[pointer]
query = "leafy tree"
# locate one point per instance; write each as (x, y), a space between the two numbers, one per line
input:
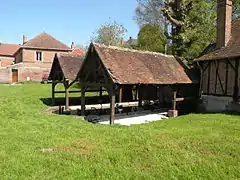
(236, 9)
(84, 47)
(193, 25)
(193, 22)
(152, 38)
(110, 33)
(149, 12)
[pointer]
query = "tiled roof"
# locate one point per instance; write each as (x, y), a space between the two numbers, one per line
(8, 49)
(127, 66)
(78, 51)
(68, 64)
(231, 50)
(45, 41)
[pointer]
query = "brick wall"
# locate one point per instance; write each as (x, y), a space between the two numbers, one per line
(5, 75)
(29, 55)
(6, 61)
(30, 69)
(224, 22)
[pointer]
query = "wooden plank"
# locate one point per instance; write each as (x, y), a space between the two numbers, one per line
(104, 106)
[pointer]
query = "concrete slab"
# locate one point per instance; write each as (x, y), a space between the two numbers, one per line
(128, 120)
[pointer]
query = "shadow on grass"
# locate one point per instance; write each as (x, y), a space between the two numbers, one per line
(74, 101)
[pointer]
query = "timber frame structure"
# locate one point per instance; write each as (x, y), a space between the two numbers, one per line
(220, 77)
(220, 72)
(64, 70)
(116, 69)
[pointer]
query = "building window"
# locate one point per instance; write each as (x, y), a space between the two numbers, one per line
(39, 56)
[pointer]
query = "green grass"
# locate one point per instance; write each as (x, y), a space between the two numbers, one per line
(188, 147)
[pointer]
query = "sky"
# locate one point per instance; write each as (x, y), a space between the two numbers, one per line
(66, 20)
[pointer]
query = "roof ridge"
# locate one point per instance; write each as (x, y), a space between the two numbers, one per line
(132, 50)
(69, 54)
(9, 44)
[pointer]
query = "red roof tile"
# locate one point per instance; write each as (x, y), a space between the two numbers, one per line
(8, 49)
(127, 66)
(78, 51)
(67, 64)
(45, 41)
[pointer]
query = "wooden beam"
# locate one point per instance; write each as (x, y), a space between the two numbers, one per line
(63, 92)
(226, 80)
(66, 85)
(53, 92)
(83, 101)
(209, 75)
(174, 99)
(216, 76)
(219, 79)
(120, 95)
(236, 84)
(112, 107)
(140, 102)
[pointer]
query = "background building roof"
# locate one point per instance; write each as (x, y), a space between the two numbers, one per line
(8, 49)
(45, 41)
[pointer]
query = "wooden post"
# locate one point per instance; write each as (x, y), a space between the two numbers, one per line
(66, 85)
(83, 101)
(120, 95)
(236, 84)
(53, 92)
(174, 99)
(100, 93)
(173, 112)
(112, 106)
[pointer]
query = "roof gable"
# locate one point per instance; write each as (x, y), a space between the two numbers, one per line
(127, 66)
(65, 66)
(45, 41)
(231, 50)
(8, 49)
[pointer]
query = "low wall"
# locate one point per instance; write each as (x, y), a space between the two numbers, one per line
(215, 103)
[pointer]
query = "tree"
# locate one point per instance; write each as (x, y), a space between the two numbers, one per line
(193, 25)
(83, 47)
(236, 9)
(110, 33)
(152, 38)
(149, 12)
(193, 22)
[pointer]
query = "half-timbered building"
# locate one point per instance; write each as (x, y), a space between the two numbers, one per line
(220, 64)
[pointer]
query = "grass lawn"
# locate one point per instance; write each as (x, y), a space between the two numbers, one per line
(188, 147)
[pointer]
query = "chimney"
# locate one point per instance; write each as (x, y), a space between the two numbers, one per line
(72, 45)
(24, 39)
(224, 22)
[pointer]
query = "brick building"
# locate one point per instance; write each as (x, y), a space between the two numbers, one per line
(30, 61)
